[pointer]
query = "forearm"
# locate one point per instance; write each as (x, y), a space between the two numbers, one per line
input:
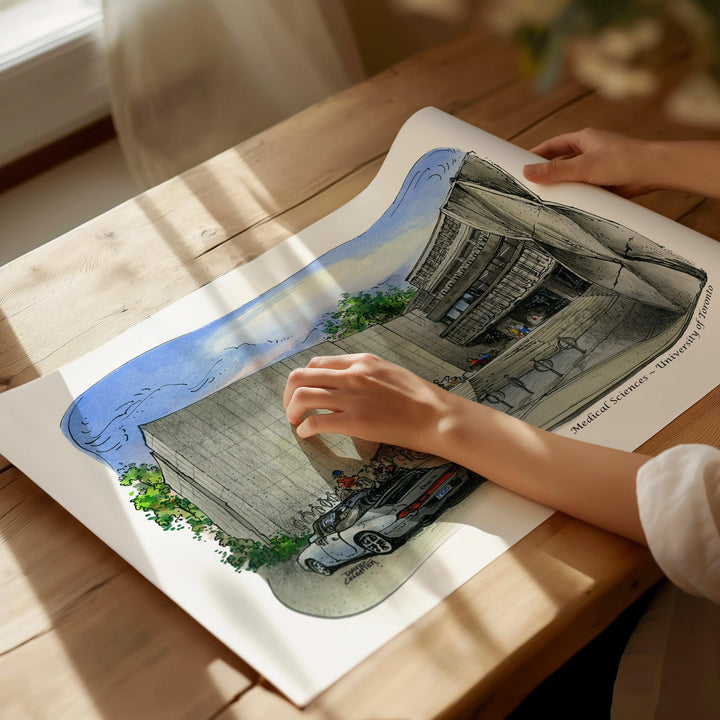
(692, 166)
(590, 482)
(372, 399)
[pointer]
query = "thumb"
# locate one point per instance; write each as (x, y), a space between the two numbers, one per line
(558, 170)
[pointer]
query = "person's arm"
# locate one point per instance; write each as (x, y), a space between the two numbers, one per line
(373, 399)
(626, 165)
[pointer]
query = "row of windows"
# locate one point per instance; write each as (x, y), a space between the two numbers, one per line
(493, 269)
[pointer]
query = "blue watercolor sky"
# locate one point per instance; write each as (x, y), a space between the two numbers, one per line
(104, 421)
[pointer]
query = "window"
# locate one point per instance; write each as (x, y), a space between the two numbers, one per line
(29, 27)
(460, 306)
(467, 249)
(52, 72)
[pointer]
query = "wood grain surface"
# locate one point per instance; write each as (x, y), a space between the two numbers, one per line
(82, 635)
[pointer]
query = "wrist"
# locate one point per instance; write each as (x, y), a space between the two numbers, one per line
(689, 166)
(489, 442)
(458, 432)
(652, 164)
(438, 424)
(662, 161)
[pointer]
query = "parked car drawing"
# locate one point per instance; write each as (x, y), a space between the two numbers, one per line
(381, 519)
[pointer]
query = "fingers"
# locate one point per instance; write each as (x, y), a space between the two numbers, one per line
(567, 144)
(567, 157)
(321, 423)
(335, 383)
(574, 169)
(310, 377)
(335, 362)
(311, 398)
(325, 371)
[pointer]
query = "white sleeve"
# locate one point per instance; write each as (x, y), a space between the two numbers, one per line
(679, 502)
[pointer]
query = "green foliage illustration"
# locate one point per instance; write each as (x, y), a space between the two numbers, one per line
(156, 499)
(359, 312)
(152, 495)
(247, 554)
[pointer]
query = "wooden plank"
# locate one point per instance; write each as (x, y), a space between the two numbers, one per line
(560, 585)
(698, 424)
(156, 248)
(105, 642)
(33, 568)
(704, 218)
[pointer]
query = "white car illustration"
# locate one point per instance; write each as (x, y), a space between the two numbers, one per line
(379, 520)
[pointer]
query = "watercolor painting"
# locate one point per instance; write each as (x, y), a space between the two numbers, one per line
(468, 279)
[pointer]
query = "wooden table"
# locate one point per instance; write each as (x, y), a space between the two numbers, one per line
(84, 635)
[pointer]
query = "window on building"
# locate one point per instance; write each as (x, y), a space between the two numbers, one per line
(459, 307)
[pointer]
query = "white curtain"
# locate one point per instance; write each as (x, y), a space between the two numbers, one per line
(190, 78)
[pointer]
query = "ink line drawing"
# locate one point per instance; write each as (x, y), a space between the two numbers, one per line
(534, 308)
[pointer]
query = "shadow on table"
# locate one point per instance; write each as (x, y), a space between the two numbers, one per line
(575, 580)
(15, 364)
(83, 633)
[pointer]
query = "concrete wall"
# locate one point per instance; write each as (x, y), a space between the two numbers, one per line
(235, 456)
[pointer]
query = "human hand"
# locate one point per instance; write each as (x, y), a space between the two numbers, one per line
(373, 399)
(369, 398)
(620, 163)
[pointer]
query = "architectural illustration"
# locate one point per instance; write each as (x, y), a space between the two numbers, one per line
(533, 308)
(566, 304)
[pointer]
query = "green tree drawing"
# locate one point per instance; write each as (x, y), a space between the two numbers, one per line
(153, 496)
(247, 554)
(361, 311)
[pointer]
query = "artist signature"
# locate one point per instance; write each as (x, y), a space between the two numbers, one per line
(357, 570)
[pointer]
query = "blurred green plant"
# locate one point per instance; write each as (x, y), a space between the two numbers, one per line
(617, 46)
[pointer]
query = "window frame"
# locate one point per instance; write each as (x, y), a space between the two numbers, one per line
(53, 86)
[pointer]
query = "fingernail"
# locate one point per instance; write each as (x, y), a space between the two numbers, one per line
(533, 171)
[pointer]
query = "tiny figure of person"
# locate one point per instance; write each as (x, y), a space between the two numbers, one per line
(479, 361)
(344, 482)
